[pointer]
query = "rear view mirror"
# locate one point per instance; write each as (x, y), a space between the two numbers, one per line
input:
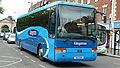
(103, 15)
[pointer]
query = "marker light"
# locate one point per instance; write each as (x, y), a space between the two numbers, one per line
(94, 49)
(60, 50)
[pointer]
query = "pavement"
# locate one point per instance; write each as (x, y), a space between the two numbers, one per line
(110, 55)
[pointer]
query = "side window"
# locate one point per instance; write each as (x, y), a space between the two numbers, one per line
(18, 25)
(52, 21)
(22, 24)
(45, 18)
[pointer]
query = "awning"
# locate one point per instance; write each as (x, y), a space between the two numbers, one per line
(5, 29)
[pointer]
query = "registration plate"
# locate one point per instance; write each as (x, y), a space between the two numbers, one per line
(79, 57)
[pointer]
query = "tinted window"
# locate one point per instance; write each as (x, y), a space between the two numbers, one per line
(37, 19)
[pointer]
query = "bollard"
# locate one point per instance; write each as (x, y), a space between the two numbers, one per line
(115, 43)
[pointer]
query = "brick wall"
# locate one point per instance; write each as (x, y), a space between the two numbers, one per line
(100, 4)
(118, 10)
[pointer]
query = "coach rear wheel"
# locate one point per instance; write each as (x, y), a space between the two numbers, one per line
(21, 46)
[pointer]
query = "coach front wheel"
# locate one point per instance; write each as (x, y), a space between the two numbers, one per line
(40, 53)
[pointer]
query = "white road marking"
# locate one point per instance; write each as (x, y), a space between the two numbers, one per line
(21, 59)
(117, 64)
(4, 41)
(12, 62)
(26, 56)
(6, 61)
(33, 60)
(116, 58)
(17, 50)
(41, 66)
(21, 53)
(13, 48)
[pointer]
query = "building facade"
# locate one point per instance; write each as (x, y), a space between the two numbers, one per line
(110, 7)
(7, 25)
(35, 6)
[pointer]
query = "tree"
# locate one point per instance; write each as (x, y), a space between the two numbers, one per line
(10, 17)
(1, 9)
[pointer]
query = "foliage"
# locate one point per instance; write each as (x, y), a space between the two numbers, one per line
(1, 9)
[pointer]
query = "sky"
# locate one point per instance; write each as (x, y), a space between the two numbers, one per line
(15, 8)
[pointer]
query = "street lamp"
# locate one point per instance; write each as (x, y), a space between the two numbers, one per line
(112, 20)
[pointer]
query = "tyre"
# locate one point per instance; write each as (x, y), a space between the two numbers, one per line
(8, 42)
(40, 53)
(20, 46)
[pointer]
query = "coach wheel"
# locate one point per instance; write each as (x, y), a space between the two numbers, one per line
(21, 46)
(40, 53)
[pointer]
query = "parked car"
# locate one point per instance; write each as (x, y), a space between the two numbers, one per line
(11, 38)
(1, 34)
(5, 36)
